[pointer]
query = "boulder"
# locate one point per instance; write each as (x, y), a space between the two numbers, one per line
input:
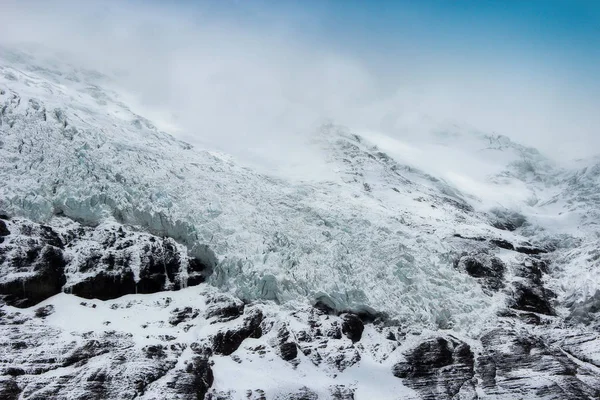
(227, 341)
(353, 327)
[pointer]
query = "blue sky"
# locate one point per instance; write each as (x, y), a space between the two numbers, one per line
(557, 36)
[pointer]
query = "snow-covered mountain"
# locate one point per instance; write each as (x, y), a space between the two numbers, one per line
(452, 264)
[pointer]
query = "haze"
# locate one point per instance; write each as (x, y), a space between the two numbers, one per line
(256, 79)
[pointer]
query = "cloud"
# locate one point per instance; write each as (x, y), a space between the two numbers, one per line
(257, 87)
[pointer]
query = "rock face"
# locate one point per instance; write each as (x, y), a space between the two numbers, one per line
(527, 364)
(31, 269)
(489, 269)
(511, 363)
(288, 348)
(440, 368)
(194, 382)
(227, 341)
(105, 262)
(529, 293)
(3, 229)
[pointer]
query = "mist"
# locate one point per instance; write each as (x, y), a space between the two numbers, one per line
(258, 87)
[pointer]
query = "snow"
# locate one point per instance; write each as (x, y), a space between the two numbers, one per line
(367, 221)
(143, 318)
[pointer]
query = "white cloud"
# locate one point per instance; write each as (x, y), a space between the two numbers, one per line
(257, 90)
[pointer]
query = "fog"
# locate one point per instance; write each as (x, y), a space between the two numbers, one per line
(258, 87)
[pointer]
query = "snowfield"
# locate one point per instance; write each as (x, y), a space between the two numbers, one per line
(469, 263)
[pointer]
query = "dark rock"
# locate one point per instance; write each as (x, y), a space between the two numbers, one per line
(160, 368)
(437, 368)
(529, 294)
(181, 315)
(334, 332)
(9, 390)
(224, 308)
(325, 305)
(352, 327)
(288, 350)
(36, 258)
(3, 229)
(476, 238)
(43, 312)
(90, 349)
(507, 220)
(160, 266)
(458, 203)
(95, 386)
(479, 270)
(368, 315)
(533, 270)
(195, 381)
(531, 298)
(152, 276)
(486, 369)
(46, 278)
(530, 318)
(490, 269)
(475, 268)
(227, 341)
(503, 244)
(530, 250)
(198, 271)
(105, 286)
(14, 371)
(155, 352)
(526, 317)
(343, 357)
(171, 261)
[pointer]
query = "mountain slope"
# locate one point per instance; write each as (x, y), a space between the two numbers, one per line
(405, 273)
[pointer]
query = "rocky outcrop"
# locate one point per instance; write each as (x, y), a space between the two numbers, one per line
(508, 220)
(227, 341)
(44, 357)
(352, 327)
(488, 269)
(529, 293)
(224, 308)
(103, 262)
(3, 229)
(519, 362)
(288, 350)
(194, 381)
(31, 274)
(440, 368)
